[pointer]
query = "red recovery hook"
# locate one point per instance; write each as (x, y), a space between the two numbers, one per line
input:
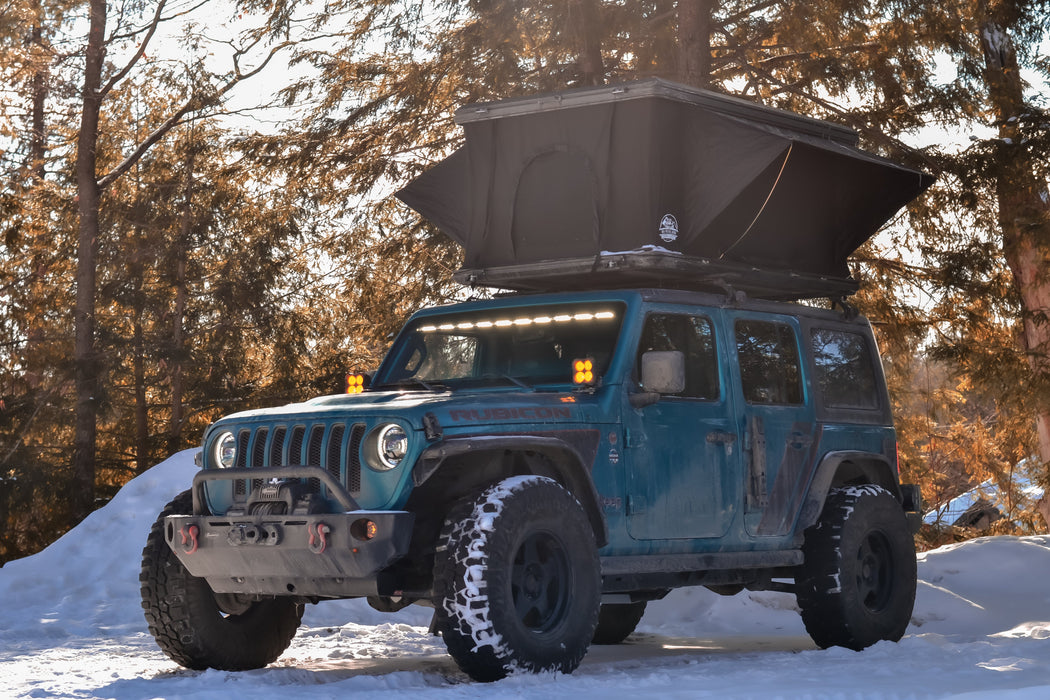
(318, 539)
(189, 537)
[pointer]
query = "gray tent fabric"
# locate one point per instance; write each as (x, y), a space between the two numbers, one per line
(656, 166)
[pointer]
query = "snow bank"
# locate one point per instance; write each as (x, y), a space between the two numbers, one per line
(86, 583)
(992, 586)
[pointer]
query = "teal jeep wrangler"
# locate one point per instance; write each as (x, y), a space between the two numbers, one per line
(538, 466)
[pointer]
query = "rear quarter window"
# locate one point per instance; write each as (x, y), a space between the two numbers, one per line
(845, 374)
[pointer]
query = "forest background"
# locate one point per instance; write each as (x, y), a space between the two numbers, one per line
(195, 214)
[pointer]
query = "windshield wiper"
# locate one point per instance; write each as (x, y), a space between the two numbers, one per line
(512, 380)
(411, 382)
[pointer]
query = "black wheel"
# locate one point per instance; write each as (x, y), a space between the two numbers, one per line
(199, 629)
(517, 581)
(857, 585)
(616, 622)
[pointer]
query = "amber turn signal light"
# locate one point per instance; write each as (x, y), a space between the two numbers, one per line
(355, 383)
(583, 371)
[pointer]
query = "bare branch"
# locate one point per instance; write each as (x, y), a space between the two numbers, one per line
(139, 53)
(193, 104)
(134, 32)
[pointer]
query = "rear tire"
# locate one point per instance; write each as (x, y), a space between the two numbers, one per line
(517, 580)
(186, 619)
(616, 622)
(857, 585)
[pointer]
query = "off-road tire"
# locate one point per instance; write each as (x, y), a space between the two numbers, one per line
(616, 622)
(517, 580)
(185, 618)
(857, 585)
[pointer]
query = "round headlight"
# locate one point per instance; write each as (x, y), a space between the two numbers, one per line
(392, 446)
(224, 450)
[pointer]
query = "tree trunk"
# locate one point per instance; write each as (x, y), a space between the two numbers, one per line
(1024, 213)
(139, 349)
(85, 358)
(585, 28)
(39, 89)
(694, 42)
(181, 294)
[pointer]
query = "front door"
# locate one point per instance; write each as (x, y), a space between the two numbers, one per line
(682, 449)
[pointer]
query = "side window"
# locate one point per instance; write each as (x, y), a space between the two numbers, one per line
(769, 366)
(695, 337)
(844, 369)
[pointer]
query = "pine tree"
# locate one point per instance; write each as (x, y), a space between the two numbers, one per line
(206, 93)
(41, 368)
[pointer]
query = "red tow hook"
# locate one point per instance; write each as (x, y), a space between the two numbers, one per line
(189, 537)
(318, 539)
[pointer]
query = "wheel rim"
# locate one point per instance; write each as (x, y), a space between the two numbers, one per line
(875, 571)
(540, 582)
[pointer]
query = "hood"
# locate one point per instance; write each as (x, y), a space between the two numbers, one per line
(451, 409)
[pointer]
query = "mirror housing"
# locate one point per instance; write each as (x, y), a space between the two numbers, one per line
(663, 372)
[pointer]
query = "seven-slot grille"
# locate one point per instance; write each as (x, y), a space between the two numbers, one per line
(335, 447)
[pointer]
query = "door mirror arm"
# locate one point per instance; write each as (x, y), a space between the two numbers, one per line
(641, 399)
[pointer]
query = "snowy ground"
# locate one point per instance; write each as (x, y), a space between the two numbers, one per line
(71, 627)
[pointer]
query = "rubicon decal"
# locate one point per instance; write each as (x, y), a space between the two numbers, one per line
(474, 415)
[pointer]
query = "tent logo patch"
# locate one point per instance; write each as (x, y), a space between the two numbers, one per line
(668, 228)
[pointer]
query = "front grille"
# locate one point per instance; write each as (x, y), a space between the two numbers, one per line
(240, 488)
(353, 467)
(335, 451)
(315, 444)
(276, 446)
(313, 453)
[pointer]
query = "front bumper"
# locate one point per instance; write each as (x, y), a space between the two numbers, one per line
(319, 555)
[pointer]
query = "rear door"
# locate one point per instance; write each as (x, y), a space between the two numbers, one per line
(774, 413)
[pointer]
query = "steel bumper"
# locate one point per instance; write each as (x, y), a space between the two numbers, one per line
(324, 555)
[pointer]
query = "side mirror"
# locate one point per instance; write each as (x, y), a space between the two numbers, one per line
(663, 372)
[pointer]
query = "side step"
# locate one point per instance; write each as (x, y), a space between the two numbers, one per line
(718, 561)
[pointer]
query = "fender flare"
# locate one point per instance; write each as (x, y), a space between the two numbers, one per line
(568, 461)
(871, 467)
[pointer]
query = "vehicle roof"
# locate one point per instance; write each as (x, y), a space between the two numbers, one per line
(648, 296)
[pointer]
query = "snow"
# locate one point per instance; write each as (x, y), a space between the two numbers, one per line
(643, 249)
(71, 627)
(947, 513)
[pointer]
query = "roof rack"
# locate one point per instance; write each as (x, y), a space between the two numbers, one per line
(659, 269)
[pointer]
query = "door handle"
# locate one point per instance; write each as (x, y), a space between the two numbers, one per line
(800, 440)
(721, 436)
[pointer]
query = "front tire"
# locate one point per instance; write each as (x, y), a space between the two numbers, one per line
(858, 581)
(197, 628)
(517, 580)
(616, 622)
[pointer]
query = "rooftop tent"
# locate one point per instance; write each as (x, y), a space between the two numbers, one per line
(653, 183)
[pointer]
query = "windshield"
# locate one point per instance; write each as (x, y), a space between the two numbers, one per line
(524, 346)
